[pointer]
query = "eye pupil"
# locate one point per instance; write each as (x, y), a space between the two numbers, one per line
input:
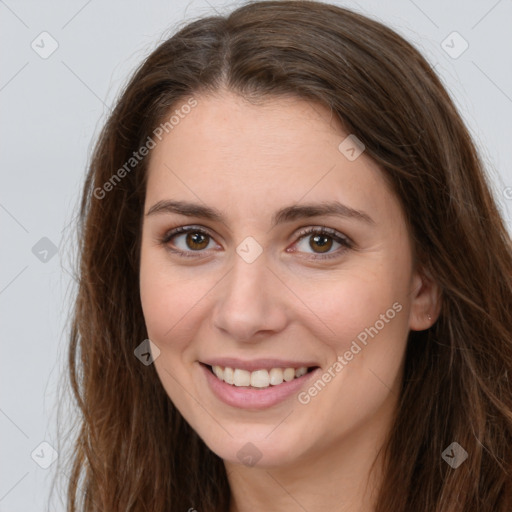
(325, 242)
(195, 239)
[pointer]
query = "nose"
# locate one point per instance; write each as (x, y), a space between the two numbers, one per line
(250, 301)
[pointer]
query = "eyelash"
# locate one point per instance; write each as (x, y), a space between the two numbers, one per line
(343, 240)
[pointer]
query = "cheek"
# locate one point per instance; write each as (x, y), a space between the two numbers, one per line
(349, 304)
(364, 326)
(166, 299)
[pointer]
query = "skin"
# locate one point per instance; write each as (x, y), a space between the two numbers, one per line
(249, 160)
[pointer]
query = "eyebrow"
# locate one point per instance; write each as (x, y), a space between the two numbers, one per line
(287, 214)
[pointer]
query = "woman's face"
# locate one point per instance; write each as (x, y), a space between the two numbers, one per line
(250, 288)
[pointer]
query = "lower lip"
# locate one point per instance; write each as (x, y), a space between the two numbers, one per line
(252, 398)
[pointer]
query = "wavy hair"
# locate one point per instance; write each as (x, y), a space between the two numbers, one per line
(134, 451)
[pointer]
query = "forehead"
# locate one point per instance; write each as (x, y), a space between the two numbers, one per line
(231, 153)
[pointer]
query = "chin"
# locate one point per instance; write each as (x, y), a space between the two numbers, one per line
(253, 446)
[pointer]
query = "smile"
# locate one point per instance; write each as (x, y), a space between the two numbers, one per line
(262, 378)
(258, 383)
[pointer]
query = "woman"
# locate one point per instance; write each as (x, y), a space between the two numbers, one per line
(286, 202)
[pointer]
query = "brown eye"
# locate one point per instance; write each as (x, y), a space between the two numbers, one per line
(322, 242)
(196, 240)
(186, 240)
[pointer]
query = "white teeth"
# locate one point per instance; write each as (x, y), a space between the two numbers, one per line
(218, 371)
(241, 377)
(258, 378)
(299, 372)
(228, 375)
(276, 376)
(289, 374)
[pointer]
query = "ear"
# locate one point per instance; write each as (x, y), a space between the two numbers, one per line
(425, 301)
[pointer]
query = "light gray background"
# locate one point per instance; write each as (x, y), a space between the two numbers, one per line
(51, 111)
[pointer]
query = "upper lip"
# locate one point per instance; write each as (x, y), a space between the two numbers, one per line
(257, 364)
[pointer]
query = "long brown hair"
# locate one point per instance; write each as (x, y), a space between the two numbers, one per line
(134, 451)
